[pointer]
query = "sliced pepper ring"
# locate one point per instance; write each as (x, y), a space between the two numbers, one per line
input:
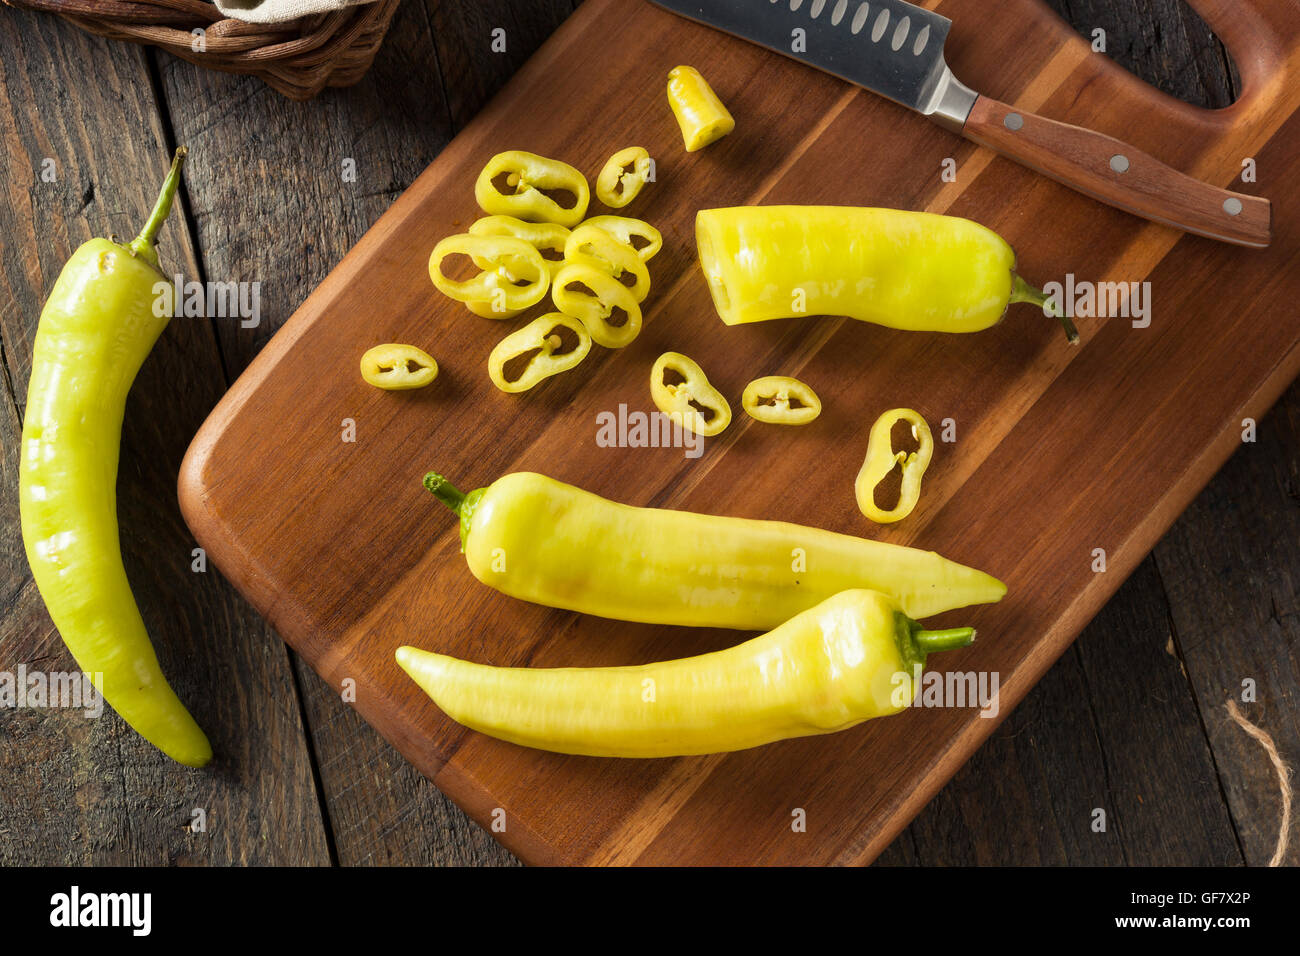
(629, 230)
(593, 246)
(532, 177)
(881, 460)
(546, 351)
(780, 400)
(596, 305)
(513, 277)
(397, 367)
(543, 236)
(617, 185)
(681, 390)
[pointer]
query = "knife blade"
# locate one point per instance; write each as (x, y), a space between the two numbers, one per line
(896, 49)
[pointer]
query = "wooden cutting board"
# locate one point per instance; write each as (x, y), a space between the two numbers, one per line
(1059, 451)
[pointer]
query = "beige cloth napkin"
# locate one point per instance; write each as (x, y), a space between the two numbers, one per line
(274, 11)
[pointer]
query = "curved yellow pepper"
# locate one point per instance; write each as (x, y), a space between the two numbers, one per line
(545, 349)
(548, 238)
(593, 246)
(540, 540)
(622, 177)
(396, 367)
(637, 233)
(595, 298)
(905, 270)
(780, 400)
(494, 293)
(881, 459)
(102, 318)
(531, 179)
(681, 390)
(853, 657)
(700, 114)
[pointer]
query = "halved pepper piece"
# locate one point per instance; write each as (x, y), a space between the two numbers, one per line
(700, 114)
(901, 269)
(681, 390)
(637, 233)
(396, 367)
(514, 275)
(621, 179)
(600, 302)
(592, 246)
(881, 460)
(548, 345)
(548, 238)
(527, 186)
(780, 400)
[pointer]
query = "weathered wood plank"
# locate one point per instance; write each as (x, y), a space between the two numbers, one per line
(91, 791)
(1232, 569)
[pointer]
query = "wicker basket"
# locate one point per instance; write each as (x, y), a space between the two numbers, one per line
(299, 58)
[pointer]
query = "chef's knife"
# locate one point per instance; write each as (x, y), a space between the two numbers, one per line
(895, 48)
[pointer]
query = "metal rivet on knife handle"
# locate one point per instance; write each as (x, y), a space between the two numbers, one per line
(1119, 163)
(1013, 121)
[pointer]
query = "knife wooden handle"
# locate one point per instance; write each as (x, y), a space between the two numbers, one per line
(1119, 175)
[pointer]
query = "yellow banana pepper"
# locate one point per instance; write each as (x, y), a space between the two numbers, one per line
(103, 316)
(595, 298)
(780, 400)
(637, 233)
(593, 246)
(621, 179)
(514, 275)
(527, 186)
(397, 367)
(700, 114)
(540, 540)
(548, 238)
(681, 390)
(905, 270)
(881, 459)
(546, 346)
(853, 657)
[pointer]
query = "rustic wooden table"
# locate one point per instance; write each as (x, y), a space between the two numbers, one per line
(1131, 720)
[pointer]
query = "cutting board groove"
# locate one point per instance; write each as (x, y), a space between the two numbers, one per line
(1059, 450)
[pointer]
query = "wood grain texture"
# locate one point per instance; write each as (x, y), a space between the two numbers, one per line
(1018, 800)
(81, 790)
(1006, 388)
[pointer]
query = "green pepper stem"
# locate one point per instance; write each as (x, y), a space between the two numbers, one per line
(143, 244)
(1022, 291)
(930, 641)
(444, 491)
